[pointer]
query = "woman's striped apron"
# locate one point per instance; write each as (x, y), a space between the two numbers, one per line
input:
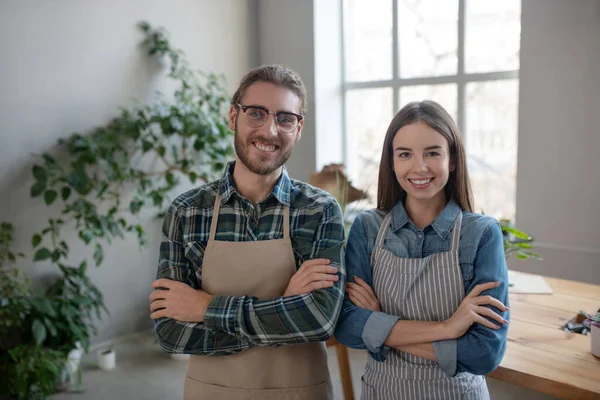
(426, 289)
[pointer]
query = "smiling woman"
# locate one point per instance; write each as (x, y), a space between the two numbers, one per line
(427, 277)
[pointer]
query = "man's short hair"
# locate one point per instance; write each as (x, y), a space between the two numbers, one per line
(277, 75)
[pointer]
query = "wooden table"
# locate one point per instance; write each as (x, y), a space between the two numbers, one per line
(544, 358)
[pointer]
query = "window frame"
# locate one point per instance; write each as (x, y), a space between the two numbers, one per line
(461, 78)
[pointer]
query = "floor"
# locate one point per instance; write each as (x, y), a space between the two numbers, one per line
(145, 372)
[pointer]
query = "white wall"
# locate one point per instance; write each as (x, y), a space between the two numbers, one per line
(66, 66)
(329, 133)
(558, 183)
(286, 36)
(306, 36)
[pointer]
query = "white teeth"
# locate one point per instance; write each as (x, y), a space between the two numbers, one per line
(420, 181)
(263, 147)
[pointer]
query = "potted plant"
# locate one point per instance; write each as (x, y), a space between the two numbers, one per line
(30, 364)
(44, 332)
(150, 148)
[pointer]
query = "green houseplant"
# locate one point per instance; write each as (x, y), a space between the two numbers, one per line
(517, 242)
(29, 369)
(101, 181)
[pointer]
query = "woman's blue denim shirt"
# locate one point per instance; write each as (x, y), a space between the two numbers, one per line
(480, 350)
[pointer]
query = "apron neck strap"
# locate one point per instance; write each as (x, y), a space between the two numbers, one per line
(383, 230)
(455, 244)
(215, 219)
(286, 222)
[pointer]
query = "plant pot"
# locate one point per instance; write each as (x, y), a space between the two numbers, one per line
(180, 357)
(69, 376)
(107, 359)
(595, 339)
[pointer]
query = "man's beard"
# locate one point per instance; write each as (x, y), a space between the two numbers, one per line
(257, 166)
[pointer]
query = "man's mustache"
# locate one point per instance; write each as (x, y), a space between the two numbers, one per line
(268, 142)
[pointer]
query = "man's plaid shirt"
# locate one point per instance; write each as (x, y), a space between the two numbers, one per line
(233, 324)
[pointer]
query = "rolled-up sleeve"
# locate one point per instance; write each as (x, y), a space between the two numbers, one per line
(446, 355)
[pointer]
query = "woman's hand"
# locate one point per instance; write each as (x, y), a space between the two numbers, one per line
(472, 310)
(362, 295)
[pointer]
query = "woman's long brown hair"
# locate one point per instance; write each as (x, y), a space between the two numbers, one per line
(389, 191)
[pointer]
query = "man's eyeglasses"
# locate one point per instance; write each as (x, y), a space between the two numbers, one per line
(256, 117)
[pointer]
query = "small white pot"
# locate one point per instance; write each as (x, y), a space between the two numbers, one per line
(107, 359)
(180, 357)
(595, 338)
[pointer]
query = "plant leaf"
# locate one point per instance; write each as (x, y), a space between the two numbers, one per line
(65, 193)
(198, 145)
(516, 232)
(170, 179)
(39, 331)
(532, 255)
(98, 254)
(135, 206)
(50, 196)
(50, 326)
(42, 254)
(39, 173)
(36, 240)
(146, 146)
(37, 189)
(523, 245)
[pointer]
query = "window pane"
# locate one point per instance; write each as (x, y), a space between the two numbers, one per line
(368, 114)
(491, 144)
(445, 94)
(368, 40)
(428, 37)
(492, 35)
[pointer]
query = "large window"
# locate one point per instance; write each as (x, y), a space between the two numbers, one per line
(463, 54)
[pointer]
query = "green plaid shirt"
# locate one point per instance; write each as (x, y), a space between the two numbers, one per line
(233, 324)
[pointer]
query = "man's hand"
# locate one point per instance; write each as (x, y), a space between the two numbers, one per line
(312, 275)
(178, 301)
(361, 295)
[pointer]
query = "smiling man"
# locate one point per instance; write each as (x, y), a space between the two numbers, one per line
(250, 277)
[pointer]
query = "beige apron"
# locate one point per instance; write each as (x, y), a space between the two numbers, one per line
(292, 372)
